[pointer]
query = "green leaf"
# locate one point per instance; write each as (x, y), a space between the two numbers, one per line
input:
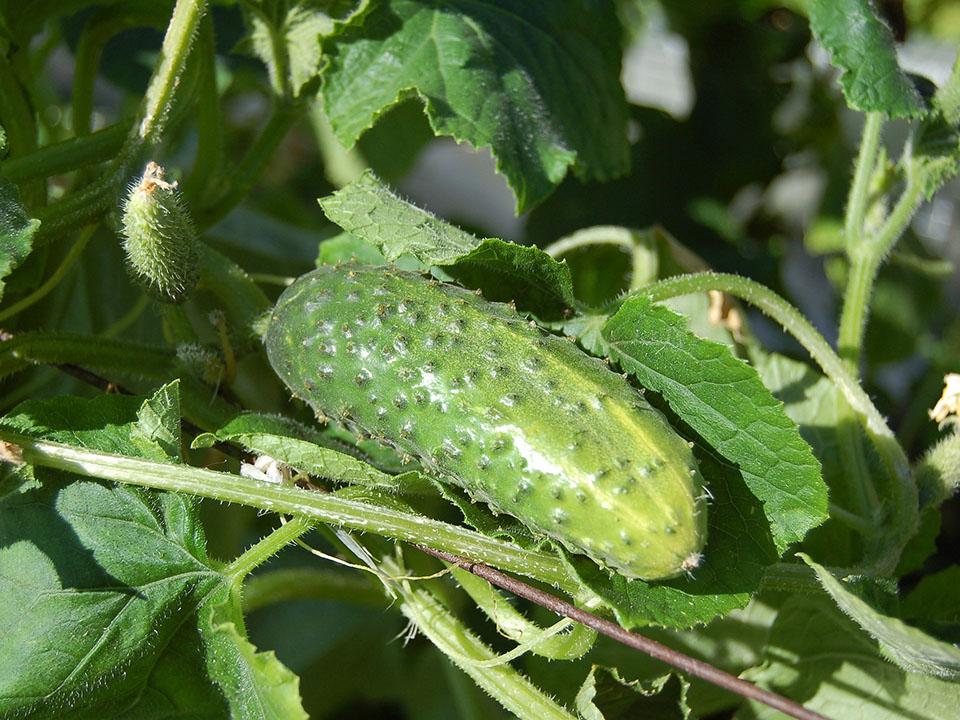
(158, 420)
(370, 211)
(839, 440)
(935, 603)
(494, 74)
(588, 330)
(723, 399)
(935, 145)
(301, 448)
(256, 684)
(947, 99)
(739, 547)
(861, 46)
(605, 695)
(375, 214)
(819, 657)
(524, 274)
(345, 247)
(16, 231)
(910, 648)
(106, 592)
(102, 422)
(286, 35)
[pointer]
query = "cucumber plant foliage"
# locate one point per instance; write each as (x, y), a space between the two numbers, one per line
(200, 366)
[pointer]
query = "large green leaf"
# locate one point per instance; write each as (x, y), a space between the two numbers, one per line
(910, 648)
(494, 74)
(819, 657)
(109, 602)
(861, 46)
(16, 231)
(504, 271)
(723, 399)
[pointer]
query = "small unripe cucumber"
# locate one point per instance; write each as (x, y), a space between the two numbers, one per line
(159, 237)
(522, 420)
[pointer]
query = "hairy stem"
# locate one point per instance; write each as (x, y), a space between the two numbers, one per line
(267, 547)
(330, 509)
(863, 171)
(209, 157)
(19, 125)
(511, 689)
(67, 155)
(173, 57)
(865, 260)
(303, 583)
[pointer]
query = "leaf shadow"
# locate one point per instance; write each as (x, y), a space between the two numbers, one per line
(36, 516)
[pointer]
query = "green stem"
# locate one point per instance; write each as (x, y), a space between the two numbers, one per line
(865, 261)
(341, 512)
(67, 155)
(341, 166)
(128, 318)
(596, 235)
(97, 32)
(852, 520)
(51, 282)
(511, 689)
(864, 265)
(310, 583)
(173, 57)
(20, 127)
(642, 246)
(512, 624)
(267, 547)
(792, 578)
(78, 208)
(242, 179)
(863, 172)
(268, 279)
(854, 459)
(209, 157)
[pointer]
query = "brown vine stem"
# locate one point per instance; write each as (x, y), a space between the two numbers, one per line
(654, 649)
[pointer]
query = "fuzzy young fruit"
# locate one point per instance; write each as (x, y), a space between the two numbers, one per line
(520, 419)
(159, 237)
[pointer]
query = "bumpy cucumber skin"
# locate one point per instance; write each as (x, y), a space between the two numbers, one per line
(520, 419)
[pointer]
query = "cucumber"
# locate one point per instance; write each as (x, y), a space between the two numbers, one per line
(521, 419)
